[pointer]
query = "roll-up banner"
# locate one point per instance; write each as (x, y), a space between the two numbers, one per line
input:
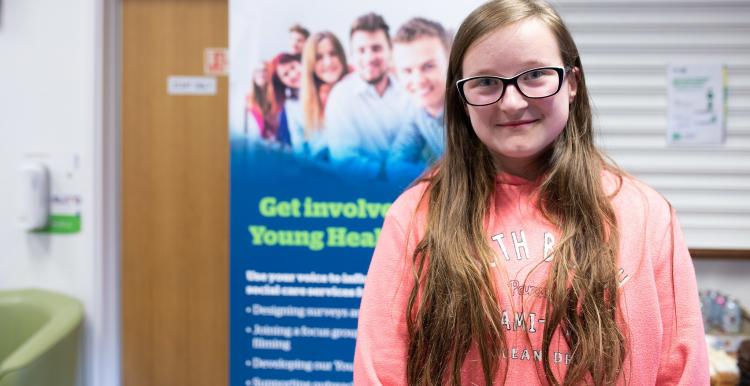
(335, 108)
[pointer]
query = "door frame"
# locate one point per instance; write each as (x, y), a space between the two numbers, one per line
(103, 366)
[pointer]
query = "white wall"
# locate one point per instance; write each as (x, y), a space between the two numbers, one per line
(51, 93)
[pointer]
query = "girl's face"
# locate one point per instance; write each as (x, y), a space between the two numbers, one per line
(517, 129)
(289, 73)
(328, 66)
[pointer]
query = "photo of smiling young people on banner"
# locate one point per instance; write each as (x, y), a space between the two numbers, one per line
(362, 100)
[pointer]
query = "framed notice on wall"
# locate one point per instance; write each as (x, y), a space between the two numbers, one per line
(697, 104)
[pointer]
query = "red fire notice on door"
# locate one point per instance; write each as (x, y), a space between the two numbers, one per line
(215, 61)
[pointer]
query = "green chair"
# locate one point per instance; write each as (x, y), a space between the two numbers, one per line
(39, 338)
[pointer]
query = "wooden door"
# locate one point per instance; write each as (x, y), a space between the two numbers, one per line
(174, 282)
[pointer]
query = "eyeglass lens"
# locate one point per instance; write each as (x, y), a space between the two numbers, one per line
(536, 83)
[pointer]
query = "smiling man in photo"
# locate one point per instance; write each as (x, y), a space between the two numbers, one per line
(367, 109)
(420, 55)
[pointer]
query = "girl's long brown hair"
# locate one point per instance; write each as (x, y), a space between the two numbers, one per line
(454, 304)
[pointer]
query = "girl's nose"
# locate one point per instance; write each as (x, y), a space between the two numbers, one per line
(512, 100)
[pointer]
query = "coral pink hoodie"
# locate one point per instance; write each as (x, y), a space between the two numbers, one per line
(659, 298)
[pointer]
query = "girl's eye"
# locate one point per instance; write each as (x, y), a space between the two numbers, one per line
(535, 74)
(487, 82)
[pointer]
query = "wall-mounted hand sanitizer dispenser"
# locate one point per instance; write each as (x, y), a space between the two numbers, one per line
(33, 196)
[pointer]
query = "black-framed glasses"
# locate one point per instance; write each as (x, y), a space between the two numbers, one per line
(536, 83)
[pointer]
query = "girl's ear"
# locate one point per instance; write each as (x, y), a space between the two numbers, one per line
(573, 84)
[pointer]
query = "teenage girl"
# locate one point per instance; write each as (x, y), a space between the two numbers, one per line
(524, 257)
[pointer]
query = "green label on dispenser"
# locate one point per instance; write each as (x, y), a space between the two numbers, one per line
(62, 223)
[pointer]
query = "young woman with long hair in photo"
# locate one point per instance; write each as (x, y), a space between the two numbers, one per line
(323, 65)
(283, 91)
(257, 106)
(524, 256)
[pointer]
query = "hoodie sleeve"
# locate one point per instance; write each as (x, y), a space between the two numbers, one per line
(382, 337)
(684, 359)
